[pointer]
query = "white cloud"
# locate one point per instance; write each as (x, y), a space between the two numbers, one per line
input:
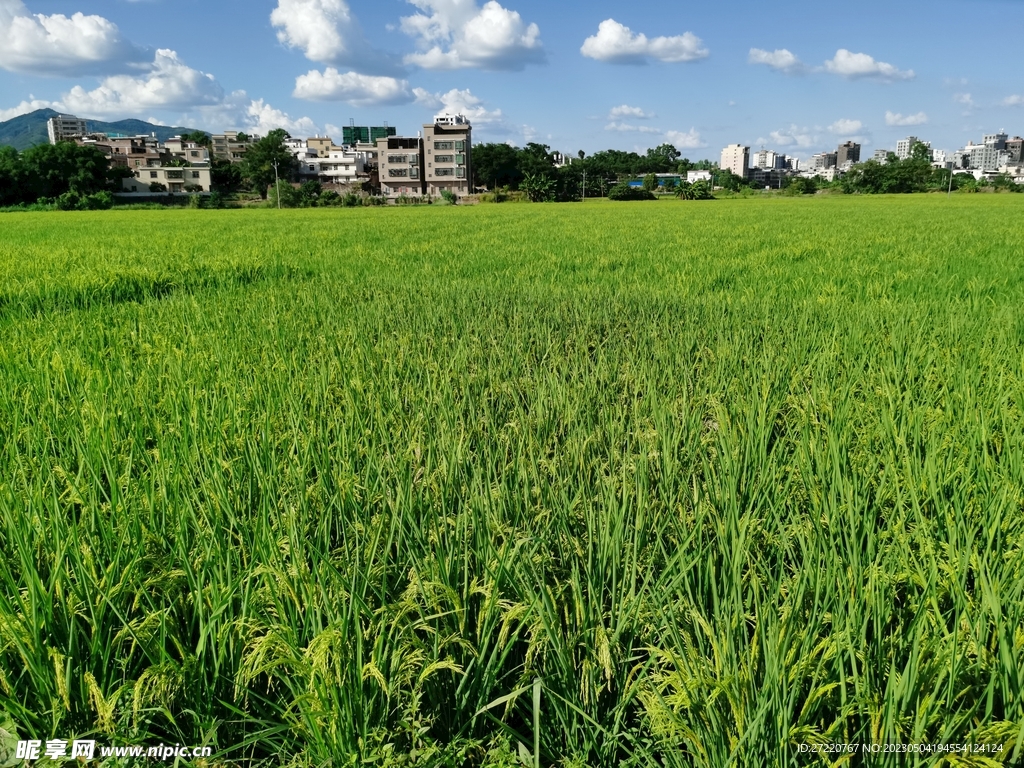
(618, 44)
(352, 87)
(461, 102)
(455, 34)
(262, 118)
(689, 140)
(860, 65)
(846, 127)
(28, 106)
(895, 118)
(328, 32)
(963, 98)
(59, 44)
(627, 128)
(169, 84)
(1013, 101)
(779, 59)
(794, 136)
(627, 111)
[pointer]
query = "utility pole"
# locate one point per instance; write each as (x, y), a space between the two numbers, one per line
(584, 198)
(277, 186)
(950, 190)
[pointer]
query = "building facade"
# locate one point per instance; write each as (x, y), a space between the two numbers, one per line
(848, 152)
(1015, 149)
(361, 134)
(448, 145)
(231, 145)
(161, 179)
(736, 158)
(400, 166)
(65, 128)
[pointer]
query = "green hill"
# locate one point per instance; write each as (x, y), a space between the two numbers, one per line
(28, 130)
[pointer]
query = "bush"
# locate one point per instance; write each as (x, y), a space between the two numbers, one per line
(622, 192)
(351, 200)
(156, 186)
(449, 197)
(69, 201)
(98, 201)
(330, 199)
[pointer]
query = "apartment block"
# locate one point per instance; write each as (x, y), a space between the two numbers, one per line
(823, 161)
(400, 166)
(188, 151)
(448, 143)
(767, 159)
(848, 152)
(65, 128)
(127, 151)
(1015, 149)
(736, 158)
(881, 156)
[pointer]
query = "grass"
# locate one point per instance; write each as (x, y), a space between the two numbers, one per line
(325, 487)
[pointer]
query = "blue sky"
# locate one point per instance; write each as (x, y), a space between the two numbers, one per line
(794, 76)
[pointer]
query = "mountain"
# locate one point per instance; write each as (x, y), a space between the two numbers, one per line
(28, 130)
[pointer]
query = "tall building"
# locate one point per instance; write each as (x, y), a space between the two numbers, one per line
(767, 159)
(848, 152)
(823, 160)
(65, 128)
(361, 134)
(881, 156)
(995, 140)
(1015, 149)
(736, 158)
(904, 147)
(448, 143)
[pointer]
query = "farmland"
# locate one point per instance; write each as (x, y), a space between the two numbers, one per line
(316, 487)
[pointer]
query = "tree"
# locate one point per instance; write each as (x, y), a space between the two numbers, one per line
(539, 189)
(258, 165)
(12, 177)
(625, 192)
(496, 165)
(202, 138)
(651, 182)
(226, 176)
(50, 170)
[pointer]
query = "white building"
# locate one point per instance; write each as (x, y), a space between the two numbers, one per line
(692, 176)
(64, 127)
(188, 151)
(341, 166)
(768, 159)
(161, 179)
(736, 158)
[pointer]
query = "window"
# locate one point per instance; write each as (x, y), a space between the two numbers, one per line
(460, 173)
(460, 145)
(398, 172)
(444, 145)
(152, 174)
(444, 171)
(193, 153)
(398, 158)
(414, 173)
(445, 158)
(460, 159)
(312, 167)
(195, 174)
(175, 175)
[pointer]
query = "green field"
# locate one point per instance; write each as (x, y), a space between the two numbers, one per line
(323, 487)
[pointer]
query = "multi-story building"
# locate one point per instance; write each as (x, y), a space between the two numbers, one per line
(905, 146)
(448, 145)
(231, 145)
(881, 156)
(1015, 149)
(340, 166)
(188, 151)
(848, 152)
(736, 158)
(168, 179)
(995, 140)
(321, 145)
(127, 151)
(400, 164)
(823, 160)
(767, 159)
(361, 134)
(65, 128)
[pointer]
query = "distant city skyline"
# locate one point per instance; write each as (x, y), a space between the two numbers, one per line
(794, 77)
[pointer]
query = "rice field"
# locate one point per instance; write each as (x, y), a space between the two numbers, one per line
(668, 483)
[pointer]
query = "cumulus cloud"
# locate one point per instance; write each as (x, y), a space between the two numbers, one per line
(61, 45)
(357, 89)
(169, 84)
(28, 106)
(455, 34)
(618, 44)
(328, 32)
(1013, 101)
(461, 102)
(895, 118)
(627, 111)
(846, 127)
(261, 118)
(794, 136)
(780, 59)
(860, 65)
(685, 140)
